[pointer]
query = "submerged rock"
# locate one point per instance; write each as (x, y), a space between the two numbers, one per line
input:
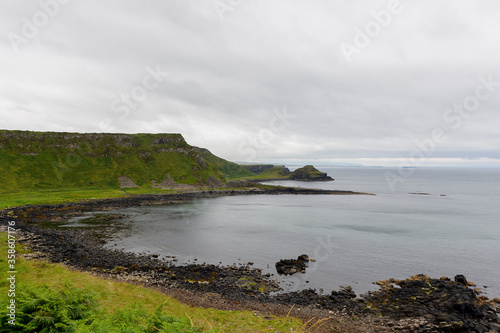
(292, 266)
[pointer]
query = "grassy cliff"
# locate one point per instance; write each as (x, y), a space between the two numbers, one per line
(47, 160)
(230, 170)
(274, 172)
(309, 172)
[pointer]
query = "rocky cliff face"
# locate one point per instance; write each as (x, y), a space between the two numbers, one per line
(49, 159)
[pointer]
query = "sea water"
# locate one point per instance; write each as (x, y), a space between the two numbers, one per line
(434, 221)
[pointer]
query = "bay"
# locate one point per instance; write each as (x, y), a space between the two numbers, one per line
(434, 221)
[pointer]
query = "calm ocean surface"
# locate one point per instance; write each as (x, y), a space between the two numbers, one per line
(356, 240)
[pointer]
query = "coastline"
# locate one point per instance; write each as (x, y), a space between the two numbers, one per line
(47, 210)
(244, 287)
(259, 180)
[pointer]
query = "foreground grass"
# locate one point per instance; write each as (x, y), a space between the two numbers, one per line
(113, 297)
(10, 199)
(62, 195)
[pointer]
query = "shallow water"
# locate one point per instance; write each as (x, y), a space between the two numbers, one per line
(452, 229)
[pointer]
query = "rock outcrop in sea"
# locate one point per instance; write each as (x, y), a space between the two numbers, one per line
(292, 266)
(309, 172)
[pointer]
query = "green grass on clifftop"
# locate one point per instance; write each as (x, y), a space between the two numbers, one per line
(49, 160)
(276, 172)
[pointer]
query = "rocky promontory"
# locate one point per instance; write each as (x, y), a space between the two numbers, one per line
(272, 173)
(309, 172)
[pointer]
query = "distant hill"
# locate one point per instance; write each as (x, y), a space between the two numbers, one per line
(309, 172)
(279, 172)
(267, 173)
(31, 160)
(257, 168)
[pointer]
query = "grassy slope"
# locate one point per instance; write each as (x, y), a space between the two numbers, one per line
(40, 160)
(118, 295)
(230, 170)
(307, 172)
(277, 172)
(44, 167)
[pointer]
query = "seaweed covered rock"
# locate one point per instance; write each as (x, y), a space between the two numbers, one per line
(438, 305)
(292, 266)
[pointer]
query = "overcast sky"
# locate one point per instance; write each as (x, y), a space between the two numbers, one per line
(371, 82)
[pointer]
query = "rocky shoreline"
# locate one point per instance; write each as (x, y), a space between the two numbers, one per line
(417, 304)
(47, 211)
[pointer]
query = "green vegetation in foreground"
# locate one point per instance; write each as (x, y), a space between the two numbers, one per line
(53, 297)
(40, 309)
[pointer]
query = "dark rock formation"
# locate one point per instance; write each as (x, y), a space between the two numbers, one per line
(461, 279)
(309, 173)
(436, 305)
(292, 266)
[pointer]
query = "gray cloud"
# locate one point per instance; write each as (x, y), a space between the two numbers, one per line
(226, 78)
